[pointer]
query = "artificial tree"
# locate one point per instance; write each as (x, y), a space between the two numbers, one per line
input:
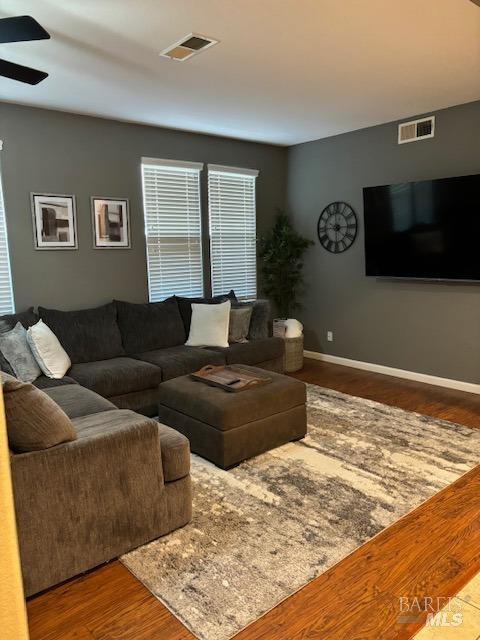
(281, 253)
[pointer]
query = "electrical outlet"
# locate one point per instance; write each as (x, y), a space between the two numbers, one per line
(330, 336)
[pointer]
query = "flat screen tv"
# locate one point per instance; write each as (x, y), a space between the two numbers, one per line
(428, 230)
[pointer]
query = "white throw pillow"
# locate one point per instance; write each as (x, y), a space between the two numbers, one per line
(209, 325)
(52, 358)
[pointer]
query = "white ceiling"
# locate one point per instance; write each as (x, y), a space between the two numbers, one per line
(285, 71)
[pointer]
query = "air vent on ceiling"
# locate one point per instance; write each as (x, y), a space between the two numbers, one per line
(416, 130)
(188, 47)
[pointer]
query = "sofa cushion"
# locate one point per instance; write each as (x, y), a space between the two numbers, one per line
(175, 449)
(154, 325)
(42, 382)
(34, 420)
(77, 401)
(116, 376)
(185, 305)
(259, 320)
(253, 352)
(178, 361)
(144, 402)
(86, 335)
(27, 318)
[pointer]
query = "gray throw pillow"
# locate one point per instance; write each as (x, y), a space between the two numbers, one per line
(16, 351)
(240, 323)
(4, 366)
(27, 318)
(34, 420)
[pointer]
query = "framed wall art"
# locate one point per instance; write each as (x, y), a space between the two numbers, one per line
(111, 223)
(54, 221)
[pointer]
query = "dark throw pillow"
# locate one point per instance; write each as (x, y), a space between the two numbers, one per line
(150, 326)
(185, 305)
(34, 420)
(259, 327)
(86, 335)
(27, 318)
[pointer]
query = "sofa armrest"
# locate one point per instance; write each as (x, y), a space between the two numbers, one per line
(118, 435)
(84, 502)
(259, 323)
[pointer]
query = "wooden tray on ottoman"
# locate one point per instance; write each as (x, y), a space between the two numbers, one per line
(231, 378)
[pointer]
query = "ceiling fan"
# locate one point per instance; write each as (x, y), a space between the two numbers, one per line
(21, 29)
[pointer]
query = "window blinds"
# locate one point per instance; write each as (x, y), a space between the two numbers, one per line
(171, 194)
(6, 291)
(231, 201)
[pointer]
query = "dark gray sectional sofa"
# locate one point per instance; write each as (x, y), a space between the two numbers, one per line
(123, 351)
(125, 479)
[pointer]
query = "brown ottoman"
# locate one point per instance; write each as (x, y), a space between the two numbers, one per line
(226, 427)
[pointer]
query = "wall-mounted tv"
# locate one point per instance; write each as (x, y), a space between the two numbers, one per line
(428, 230)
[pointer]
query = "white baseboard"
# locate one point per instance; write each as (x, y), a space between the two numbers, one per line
(470, 387)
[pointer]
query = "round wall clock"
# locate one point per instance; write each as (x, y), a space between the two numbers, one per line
(337, 227)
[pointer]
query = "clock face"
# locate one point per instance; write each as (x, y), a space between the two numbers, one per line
(337, 227)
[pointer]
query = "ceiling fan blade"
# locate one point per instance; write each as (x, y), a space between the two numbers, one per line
(20, 73)
(20, 29)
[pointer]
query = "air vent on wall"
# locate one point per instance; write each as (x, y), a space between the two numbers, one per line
(416, 130)
(188, 47)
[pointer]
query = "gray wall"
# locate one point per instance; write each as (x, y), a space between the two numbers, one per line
(431, 328)
(54, 152)
(427, 327)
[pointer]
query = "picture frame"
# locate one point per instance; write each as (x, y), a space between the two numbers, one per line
(54, 219)
(110, 223)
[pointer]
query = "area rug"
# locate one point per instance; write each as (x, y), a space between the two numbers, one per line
(267, 527)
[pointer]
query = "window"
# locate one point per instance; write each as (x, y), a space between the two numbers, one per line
(231, 201)
(171, 196)
(6, 292)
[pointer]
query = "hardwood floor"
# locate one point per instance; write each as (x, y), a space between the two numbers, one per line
(447, 404)
(433, 551)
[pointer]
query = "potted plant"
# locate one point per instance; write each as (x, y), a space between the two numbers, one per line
(281, 253)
